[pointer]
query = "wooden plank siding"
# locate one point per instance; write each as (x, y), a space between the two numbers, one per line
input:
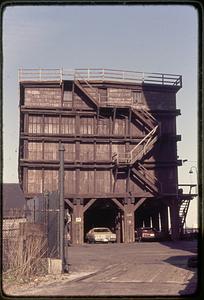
(62, 114)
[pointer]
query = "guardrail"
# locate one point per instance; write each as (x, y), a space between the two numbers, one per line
(99, 74)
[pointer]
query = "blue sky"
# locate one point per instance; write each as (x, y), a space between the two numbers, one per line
(141, 38)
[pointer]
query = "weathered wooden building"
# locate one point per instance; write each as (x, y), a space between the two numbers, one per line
(119, 133)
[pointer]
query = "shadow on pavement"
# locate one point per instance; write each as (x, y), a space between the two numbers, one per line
(191, 288)
(188, 262)
(190, 246)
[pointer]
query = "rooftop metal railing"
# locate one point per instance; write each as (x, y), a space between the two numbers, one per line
(99, 74)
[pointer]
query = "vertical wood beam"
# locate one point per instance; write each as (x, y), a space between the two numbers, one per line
(77, 125)
(174, 217)
(77, 180)
(129, 222)
(78, 222)
(164, 220)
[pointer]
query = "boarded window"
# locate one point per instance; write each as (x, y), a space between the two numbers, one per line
(102, 152)
(35, 181)
(86, 125)
(35, 124)
(50, 180)
(103, 181)
(119, 127)
(119, 96)
(51, 125)
(34, 151)
(69, 182)
(103, 126)
(68, 125)
(86, 181)
(51, 151)
(43, 97)
(86, 152)
(69, 154)
(67, 101)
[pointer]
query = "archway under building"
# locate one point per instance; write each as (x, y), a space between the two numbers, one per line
(103, 213)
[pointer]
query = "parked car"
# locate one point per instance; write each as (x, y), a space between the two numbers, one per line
(100, 234)
(146, 234)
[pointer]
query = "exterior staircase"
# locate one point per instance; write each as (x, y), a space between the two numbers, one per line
(133, 157)
(183, 210)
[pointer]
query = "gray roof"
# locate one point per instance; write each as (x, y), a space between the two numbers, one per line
(12, 197)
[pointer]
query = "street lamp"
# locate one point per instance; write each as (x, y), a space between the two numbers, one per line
(191, 170)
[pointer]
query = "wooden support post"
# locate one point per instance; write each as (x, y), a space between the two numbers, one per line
(78, 222)
(174, 216)
(129, 221)
(118, 227)
(164, 220)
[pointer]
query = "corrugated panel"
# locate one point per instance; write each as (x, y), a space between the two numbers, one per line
(86, 181)
(34, 181)
(86, 152)
(103, 126)
(69, 182)
(50, 180)
(51, 125)
(68, 125)
(34, 151)
(70, 152)
(86, 125)
(102, 152)
(35, 124)
(119, 128)
(102, 181)
(51, 151)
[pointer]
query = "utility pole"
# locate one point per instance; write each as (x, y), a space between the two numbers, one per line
(61, 205)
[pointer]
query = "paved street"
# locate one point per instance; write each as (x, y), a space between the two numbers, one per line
(125, 269)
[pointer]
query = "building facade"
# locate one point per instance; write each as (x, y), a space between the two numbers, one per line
(118, 129)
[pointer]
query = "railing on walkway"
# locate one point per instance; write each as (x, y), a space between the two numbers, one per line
(60, 74)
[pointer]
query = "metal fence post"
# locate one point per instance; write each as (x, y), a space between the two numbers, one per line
(61, 206)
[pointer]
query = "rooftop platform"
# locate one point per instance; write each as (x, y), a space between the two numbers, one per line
(99, 75)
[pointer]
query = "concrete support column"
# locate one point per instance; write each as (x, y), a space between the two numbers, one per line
(174, 216)
(155, 221)
(129, 221)
(164, 220)
(78, 222)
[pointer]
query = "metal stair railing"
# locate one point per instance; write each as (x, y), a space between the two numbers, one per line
(153, 183)
(136, 153)
(78, 78)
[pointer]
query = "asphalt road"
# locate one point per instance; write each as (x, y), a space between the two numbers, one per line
(125, 269)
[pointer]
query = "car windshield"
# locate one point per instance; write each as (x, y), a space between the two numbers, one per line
(101, 230)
